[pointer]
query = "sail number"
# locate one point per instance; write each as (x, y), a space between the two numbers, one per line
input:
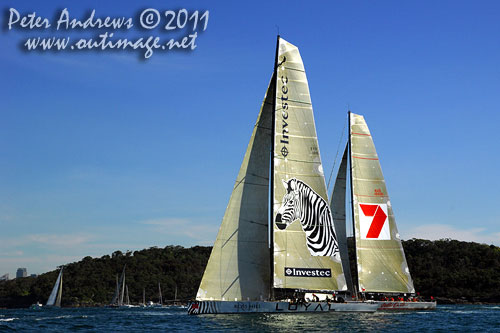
(150, 18)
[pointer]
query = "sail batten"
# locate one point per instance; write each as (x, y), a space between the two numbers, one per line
(381, 263)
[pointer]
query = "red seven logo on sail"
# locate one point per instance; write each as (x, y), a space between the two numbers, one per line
(372, 221)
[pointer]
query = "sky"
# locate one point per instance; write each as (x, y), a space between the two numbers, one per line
(106, 150)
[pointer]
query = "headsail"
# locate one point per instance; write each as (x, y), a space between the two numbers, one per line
(238, 267)
(55, 295)
(338, 205)
(381, 261)
(306, 254)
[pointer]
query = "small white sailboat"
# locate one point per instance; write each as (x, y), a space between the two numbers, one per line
(143, 304)
(160, 295)
(56, 294)
(382, 270)
(277, 249)
(151, 304)
(127, 303)
(117, 299)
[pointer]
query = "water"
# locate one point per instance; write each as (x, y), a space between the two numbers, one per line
(468, 318)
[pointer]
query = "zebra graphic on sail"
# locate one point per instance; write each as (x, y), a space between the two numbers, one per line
(302, 202)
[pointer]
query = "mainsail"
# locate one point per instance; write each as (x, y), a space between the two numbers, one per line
(306, 253)
(238, 267)
(56, 294)
(381, 262)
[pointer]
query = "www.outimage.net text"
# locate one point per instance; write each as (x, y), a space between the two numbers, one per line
(151, 26)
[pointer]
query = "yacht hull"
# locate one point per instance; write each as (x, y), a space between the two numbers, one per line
(216, 307)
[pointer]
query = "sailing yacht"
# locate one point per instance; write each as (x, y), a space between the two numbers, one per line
(277, 248)
(151, 304)
(118, 296)
(56, 294)
(382, 272)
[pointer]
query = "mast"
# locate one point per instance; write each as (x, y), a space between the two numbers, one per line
(143, 296)
(175, 295)
(349, 145)
(271, 181)
(159, 289)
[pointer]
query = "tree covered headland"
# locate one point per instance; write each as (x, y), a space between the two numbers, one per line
(92, 281)
(447, 269)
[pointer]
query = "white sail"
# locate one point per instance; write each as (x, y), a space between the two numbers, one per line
(306, 253)
(59, 293)
(381, 261)
(122, 284)
(338, 206)
(238, 267)
(55, 295)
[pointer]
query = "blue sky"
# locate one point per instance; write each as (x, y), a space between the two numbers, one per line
(103, 151)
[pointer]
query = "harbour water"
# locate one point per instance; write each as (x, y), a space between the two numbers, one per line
(457, 318)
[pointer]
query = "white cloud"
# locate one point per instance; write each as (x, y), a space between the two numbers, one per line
(166, 222)
(201, 233)
(64, 240)
(11, 253)
(48, 240)
(440, 231)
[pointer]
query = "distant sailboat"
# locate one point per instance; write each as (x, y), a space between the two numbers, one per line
(280, 193)
(127, 303)
(160, 295)
(127, 298)
(381, 267)
(56, 294)
(143, 297)
(117, 299)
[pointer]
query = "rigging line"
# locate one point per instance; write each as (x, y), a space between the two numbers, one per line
(336, 155)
